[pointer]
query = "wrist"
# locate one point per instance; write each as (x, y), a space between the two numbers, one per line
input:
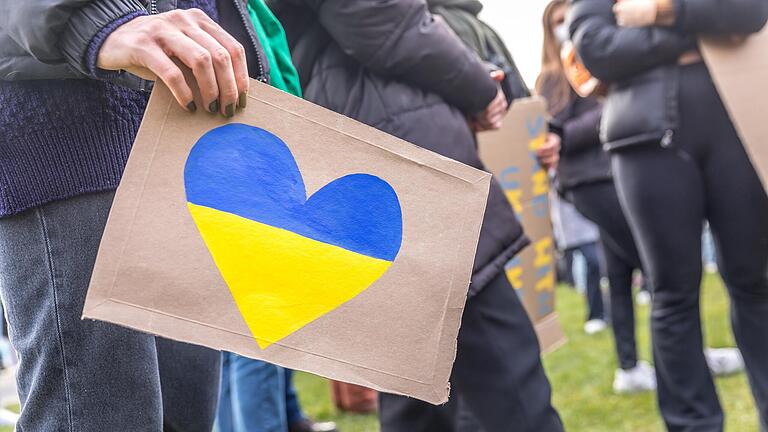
(92, 53)
(665, 13)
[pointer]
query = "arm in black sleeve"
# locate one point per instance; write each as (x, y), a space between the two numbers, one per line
(721, 16)
(582, 131)
(56, 31)
(402, 39)
(612, 53)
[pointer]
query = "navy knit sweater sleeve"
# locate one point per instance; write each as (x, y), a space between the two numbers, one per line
(62, 138)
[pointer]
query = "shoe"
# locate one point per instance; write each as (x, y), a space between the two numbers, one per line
(595, 326)
(641, 378)
(643, 298)
(724, 361)
(311, 426)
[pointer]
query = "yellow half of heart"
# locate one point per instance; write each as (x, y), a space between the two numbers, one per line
(281, 281)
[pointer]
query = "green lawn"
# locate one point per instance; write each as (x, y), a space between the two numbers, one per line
(582, 372)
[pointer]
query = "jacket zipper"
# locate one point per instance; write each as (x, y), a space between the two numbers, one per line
(259, 62)
(243, 17)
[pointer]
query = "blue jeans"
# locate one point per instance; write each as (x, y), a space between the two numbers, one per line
(84, 376)
(256, 396)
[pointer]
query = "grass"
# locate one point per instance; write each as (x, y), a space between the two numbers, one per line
(581, 373)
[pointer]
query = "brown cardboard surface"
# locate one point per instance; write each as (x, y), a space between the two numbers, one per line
(739, 70)
(508, 154)
(154, 272)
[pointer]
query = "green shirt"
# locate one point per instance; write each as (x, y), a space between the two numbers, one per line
(282, 73)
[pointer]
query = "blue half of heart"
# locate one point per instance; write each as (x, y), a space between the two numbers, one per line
(250, 172)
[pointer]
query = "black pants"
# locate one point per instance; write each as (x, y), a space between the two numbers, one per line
(667, 193)
(599, 203)
(497, 376)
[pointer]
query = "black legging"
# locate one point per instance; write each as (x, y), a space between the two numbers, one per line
(667, 193)
(599, 203)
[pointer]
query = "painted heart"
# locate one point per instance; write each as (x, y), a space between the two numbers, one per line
(286, 258)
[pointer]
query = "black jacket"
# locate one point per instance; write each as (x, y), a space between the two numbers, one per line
(48, 39)
(640, 64)
(462, 17)
(393, 65)
(582, 158)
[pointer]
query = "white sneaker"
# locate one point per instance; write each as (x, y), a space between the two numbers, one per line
(724, 361)
(643, 298)
(594, 326)
(640, 378)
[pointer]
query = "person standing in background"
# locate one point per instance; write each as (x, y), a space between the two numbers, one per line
(678, 161)
(584, 178)
(576, 235)
(396, 67)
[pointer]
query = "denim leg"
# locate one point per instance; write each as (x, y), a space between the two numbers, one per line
(292, 405)
(224, 421)
(594, 293)
(256, 395)
(189, 379)
(73, 375)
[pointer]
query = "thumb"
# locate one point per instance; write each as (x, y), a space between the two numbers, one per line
(498, 75)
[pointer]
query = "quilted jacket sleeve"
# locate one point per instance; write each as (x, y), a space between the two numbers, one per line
(612, 53)
(56, 30)
(402, 39)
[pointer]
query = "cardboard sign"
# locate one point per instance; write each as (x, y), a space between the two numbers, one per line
(294, 235)
(740, 70)
(508, 154)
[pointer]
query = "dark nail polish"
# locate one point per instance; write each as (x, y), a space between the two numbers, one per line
(214, 106)
(242, 101)
(192, 107)
(230, 110)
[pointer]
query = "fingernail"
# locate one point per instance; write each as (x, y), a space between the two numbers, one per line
(214, 106)
(192, 107)
(242, 101)
(230, 110)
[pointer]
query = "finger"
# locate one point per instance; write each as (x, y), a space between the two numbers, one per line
(157, 61)
(236, 54)
(497, 75)
(196, 58)
(227, 91)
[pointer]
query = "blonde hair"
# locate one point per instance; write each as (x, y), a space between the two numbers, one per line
(552, 82)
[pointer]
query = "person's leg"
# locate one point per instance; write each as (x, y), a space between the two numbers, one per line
(404, 414)
(224, 414)
(599, 202)
(661, 191)
(498, 373)
(737, 209)
(189, 380)
(619, 274)
(73, 375)
(292, 405)
(594, 294)
(258, 395)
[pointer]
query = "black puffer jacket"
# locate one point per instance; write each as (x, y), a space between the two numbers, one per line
(48, 39)
(640, 64)
(582, 158)
(394, 66)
